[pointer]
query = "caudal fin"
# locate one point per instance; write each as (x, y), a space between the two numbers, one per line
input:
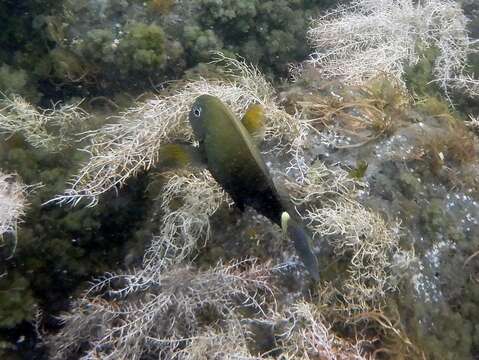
(302, 243)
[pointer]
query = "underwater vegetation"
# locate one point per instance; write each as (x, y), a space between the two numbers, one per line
(377, 148)
(13, 202)
(421, 172)
(93, 48)
(346, 49)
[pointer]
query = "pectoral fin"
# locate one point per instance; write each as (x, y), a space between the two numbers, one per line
(253, 121)
(302, 243)
(174, 156)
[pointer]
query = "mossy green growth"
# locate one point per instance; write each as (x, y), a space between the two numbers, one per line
(200, 42)
(434, 219)
(16, 300)
(142, 49)
(409, 184)
(443, 329)
(24, 46)
(359, 171)
(131, 45)
(16, 81)
(434, 106)
(12, 81)
(269, 33)
(419, 78)
(162, 7)
(98, 46)
(66, 66)
(130, 58)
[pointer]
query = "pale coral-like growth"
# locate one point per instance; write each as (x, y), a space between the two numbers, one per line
(308, 336)
(12, 202)
(42, 128)
(160, 318)
(319, 182)
(368, 37)
(369, 242)
(119, 151)
(355, 233)
(184, 225)
(188, 314)
(186, 202)
(473, 123)
(229, 343)
(300, 330)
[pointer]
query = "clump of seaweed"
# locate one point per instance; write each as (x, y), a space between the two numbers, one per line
(365, 38)
(362, 113)
(454, 145)
(160, 317)
(364, 262)
(227, 343)
(308, 334)
(357, 235)
(320, 182)
(298, 331)
(187, 201)
(369, 243)
(196, 314)
(44, 128)
(162, 6)
(12, 202)
(450, 142)
(473, 123)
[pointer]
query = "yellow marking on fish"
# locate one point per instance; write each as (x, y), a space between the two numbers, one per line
(253, 121)
(174, 155)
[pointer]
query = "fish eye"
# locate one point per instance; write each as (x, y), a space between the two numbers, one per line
(197, 111)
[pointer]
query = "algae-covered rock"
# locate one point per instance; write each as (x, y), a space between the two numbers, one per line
(16, 81)
(418, 173)
(16, 300)
(142, 49)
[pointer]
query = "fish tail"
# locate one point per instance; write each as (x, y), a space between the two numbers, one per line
(302, 243)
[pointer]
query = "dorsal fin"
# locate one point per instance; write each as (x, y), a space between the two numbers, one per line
(253, 121)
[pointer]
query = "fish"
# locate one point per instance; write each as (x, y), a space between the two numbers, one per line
(231, 155)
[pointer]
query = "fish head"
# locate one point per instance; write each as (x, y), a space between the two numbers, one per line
(204, 108)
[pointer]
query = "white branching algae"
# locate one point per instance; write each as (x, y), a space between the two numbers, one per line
(185, 225)
(162, 317)
(12, 202)
(354, 233)
(365, 38)
(49, 129)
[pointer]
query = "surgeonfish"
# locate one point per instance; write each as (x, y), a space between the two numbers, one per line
(231, 155)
